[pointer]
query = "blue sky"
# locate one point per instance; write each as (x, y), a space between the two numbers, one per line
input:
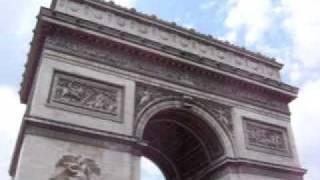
(285, 29)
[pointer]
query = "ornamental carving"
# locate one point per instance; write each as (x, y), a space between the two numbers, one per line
(224, 117)
(165, 69)
(71, 167)
(147, 93)
(86, 96)
(266, 138)
(169, 38)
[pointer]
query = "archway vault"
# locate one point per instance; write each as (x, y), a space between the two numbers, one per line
(181, 137)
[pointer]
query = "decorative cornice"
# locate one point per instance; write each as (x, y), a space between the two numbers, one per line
(102, 4)
(133, 60)
(50, 20)
(169, 36)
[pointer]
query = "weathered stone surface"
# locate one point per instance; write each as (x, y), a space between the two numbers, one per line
(49, 159)
(146, 95)
(105, 86)
(175, 72)
(75, 167)
(44, 106)
(266, 138)
(87, 96)
(171, 37)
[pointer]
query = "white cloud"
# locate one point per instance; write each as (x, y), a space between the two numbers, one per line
(11, 111)
(295, 72)
(126, 3)
(11, 116)
(305, 122)
(251, 17)
(250, 20)
(303, 23)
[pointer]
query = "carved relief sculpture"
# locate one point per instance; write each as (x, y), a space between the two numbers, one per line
(223, 116)
(75, 93)
(105, 86)
(71, 167)
(267, 138)
(176, 74)
(147, 93)
(263, 137)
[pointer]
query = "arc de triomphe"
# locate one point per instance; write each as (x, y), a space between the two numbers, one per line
(105, 85)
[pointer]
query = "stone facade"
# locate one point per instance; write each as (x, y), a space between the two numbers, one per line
(105, 85)
(266, 138)
(86, 96)
(149, 29)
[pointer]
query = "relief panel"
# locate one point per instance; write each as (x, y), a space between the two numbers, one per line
(147, 93)
(71, 167)
(89, 97)
(266, 138)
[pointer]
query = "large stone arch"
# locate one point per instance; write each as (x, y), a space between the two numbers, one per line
(102, 82)
(159, 113)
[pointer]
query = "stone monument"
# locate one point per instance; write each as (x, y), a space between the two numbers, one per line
(106, 85)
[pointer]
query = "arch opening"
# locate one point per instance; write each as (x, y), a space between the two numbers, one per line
(180, 143)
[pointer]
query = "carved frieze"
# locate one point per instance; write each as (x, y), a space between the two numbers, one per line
(147, 93)
(167, 37)
(86, 96)
(165, 69)
(71, 167)
(266, 138)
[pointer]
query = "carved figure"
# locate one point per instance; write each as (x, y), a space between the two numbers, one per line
(222, 117)
(75, 168)
(266, 137)
(104, 102)
(70, 90)
(277, 140)
(97, 102)
(146, 96)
